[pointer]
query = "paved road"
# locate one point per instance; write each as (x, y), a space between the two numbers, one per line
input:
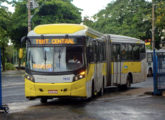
(132, 104)
(13, 87)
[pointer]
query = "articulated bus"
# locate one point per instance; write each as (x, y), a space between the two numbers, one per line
(72, 60)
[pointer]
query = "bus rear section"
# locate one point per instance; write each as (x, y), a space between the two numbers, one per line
(126, 61)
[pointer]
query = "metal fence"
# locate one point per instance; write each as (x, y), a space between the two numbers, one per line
(159, 72)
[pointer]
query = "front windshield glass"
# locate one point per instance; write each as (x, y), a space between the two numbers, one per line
(54, 59)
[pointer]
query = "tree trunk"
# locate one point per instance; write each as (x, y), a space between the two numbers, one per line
(3, 58)
(19, 61)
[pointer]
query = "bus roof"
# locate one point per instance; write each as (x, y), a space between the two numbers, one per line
(63, 29)
(124, 39)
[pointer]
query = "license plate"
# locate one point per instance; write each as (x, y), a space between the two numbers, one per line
(52, 91)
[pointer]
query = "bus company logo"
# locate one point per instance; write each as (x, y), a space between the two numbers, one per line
(66, 78)
(126, 67)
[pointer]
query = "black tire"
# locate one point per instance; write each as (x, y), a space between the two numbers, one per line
(127, 85)
(101, 93)
(92, 90)
(43, 100)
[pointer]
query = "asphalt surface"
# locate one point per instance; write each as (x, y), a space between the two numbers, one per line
(132, 104)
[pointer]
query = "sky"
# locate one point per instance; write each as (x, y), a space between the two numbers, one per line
(89, 7)
(11, 9)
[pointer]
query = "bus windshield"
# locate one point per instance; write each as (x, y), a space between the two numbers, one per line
(54, 59)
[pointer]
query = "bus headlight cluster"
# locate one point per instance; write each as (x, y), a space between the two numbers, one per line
(79, 76)
(29, 77)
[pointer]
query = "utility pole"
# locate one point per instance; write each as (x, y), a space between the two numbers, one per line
(29, 15)
(31, 4)
(153, 25)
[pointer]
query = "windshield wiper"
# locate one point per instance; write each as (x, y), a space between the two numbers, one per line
(32, 60)
(59, 57)
(29, 59)
(45, 59)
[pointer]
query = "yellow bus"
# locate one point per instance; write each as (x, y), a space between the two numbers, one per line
(72, 60)
(57, 62)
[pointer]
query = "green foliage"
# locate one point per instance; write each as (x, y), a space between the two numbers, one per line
(19, 23)
(9, 53)
(4, 24)
(159, 21)
(57, 11)
(9, 66)
(49, 12)
(5, 18)
(125, 17)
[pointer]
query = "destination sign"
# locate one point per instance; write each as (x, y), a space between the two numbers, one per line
(54, 41)
(58, 41)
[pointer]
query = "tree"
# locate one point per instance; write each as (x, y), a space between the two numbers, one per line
(57, 11)
(125, 17)
(4, 30)
(159, 22)
(50, 11)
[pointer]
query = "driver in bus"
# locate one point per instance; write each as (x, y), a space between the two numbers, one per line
(74, 60)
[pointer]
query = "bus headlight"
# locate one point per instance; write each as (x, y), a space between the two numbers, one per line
(79, 76)
(29, 77)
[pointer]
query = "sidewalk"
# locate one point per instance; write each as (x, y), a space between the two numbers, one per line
(14, 72)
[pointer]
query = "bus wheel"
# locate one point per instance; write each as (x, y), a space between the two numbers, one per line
(43, 100)
(127, 85)
(101, 93)
(92, 90)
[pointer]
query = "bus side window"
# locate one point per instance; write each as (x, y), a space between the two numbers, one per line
(136, 52)
(114, 53)
(142, 52)
(90, 53)
(129, 52)
(98, 53)
(123, 52)
(103, 51)
(94, 47)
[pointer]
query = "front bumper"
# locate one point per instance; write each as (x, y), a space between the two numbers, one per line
(74, 89)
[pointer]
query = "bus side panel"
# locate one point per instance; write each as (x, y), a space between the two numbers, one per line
(142, 75)
(132, 67)
(138, 70)
(78, 88)
(90, 77)
(99, 75)
(29, 88)
(104, 72)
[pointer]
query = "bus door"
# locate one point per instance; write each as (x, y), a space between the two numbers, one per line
(99, 66)
(97, 74)
(116, 63)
